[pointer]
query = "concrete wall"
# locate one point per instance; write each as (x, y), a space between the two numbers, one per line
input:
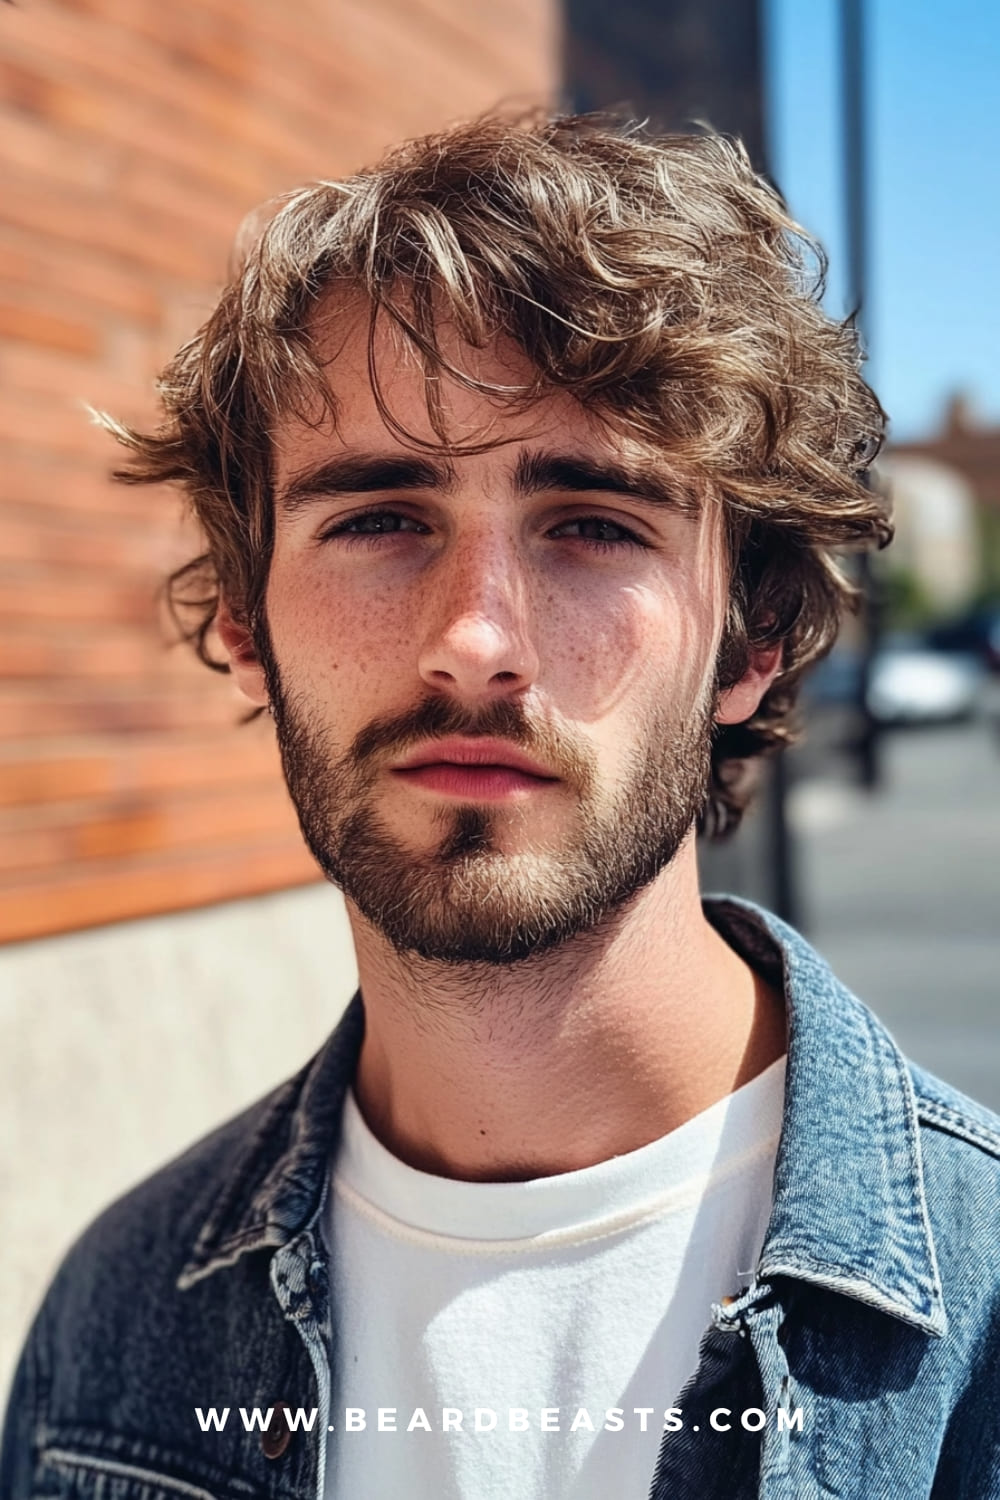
(121, 1045)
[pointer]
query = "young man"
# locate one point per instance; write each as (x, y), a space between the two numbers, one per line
(520, 458)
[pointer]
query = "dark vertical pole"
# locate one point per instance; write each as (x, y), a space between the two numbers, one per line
(855, 141)
(786, 897)
(855, 102)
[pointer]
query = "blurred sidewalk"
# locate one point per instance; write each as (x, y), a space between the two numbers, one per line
(901, 892)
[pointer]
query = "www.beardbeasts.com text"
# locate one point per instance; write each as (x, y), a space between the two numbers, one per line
(486, 1419)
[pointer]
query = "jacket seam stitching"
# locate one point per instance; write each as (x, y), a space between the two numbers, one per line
(40, 1385)
(856, 1277)
(63, 1458)
(239, 1201)
(941, 1117)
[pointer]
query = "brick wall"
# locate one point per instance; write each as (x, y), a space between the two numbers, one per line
(134, 135)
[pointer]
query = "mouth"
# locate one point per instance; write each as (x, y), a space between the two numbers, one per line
(477, 769)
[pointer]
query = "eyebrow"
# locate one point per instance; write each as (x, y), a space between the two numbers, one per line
(364, 474)
(374, 473)
(640, 481)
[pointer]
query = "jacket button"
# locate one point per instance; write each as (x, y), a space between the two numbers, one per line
(276, 1439)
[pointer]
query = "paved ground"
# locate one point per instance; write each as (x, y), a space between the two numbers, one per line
(901, 891)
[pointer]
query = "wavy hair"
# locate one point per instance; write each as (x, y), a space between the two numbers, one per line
(659, 280)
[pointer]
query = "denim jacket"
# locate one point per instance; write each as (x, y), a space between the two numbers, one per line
(874, 1308)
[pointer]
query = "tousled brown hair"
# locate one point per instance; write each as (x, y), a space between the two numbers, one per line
(658, 280)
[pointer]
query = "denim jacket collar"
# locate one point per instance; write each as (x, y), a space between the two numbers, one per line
(849, 1210)
(278, 1180)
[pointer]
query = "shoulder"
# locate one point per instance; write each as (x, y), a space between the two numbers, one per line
(960, 1155)
(959, 1143)
(137, 1331)
(152, 1229)
(113, 1304)
(119, 1281)
(943, 1108)
(117, 1291)
(960, 1162)
(248, 1185)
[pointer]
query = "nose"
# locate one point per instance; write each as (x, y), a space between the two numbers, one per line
(478, 642)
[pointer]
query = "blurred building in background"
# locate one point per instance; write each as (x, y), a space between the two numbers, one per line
(963, 458)
(934, 562)
(675, 62)
(967, 445)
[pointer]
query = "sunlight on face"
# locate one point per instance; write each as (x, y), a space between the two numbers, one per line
(551, 596)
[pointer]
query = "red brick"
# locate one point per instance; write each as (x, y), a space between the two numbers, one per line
(61, 377)
(38, 478)
(87, 897)
(105, 655)
(109, 770)
(59, 426)
(133, 137)
(59, 159)
(31, 780)
(82, 833)
(84, 281)
(66, 709)
(34, 325)
(149, 240)
(130, 602)
(73, 542)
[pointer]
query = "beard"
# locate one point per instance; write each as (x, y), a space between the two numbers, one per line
(467, 900)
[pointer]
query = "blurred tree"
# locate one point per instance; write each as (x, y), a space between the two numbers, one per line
(988, 522)
(906, 602)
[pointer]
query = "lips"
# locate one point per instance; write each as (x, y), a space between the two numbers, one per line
(497, 755)
(479, 770)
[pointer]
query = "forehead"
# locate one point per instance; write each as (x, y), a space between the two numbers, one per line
(342, 344)
(507, 429)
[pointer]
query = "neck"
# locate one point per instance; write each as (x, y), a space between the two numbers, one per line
(597, 1048)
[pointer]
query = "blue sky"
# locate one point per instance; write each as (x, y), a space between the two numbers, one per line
(933, 307)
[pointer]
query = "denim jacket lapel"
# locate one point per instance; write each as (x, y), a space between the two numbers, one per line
(849, 1210)
(278, 1182)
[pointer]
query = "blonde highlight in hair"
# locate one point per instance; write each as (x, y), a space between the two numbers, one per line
(656, 279)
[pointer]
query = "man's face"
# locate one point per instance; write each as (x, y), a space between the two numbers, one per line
(491, 673)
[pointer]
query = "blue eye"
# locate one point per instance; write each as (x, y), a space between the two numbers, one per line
(601, 532)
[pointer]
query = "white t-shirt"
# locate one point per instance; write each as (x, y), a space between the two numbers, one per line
(586, 1292)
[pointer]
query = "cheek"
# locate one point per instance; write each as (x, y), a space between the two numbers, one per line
(642, 645)
(328, 637)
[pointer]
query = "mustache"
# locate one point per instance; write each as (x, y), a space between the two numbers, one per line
(504, 718)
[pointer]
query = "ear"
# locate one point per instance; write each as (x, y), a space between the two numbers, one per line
(737, 703)
(244, 663)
